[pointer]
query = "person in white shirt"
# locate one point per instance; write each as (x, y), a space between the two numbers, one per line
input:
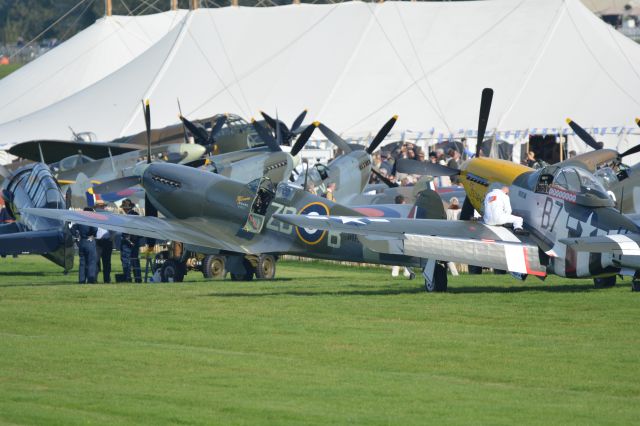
(497, 210)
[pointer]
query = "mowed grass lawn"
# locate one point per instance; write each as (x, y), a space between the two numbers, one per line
(323, 344)
(5, 70)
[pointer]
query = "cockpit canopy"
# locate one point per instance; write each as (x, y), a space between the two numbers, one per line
(70, 163)
(571, 183)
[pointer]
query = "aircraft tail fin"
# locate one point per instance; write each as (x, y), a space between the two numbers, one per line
(428, 205)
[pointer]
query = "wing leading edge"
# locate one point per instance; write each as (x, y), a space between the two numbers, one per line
(455, 241)
(188, 231)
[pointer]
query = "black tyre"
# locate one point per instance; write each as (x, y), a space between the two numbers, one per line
(635, 285)
(213, 267)
(242, 277)
(159, 260)
(439, 283)
(172, 271)
(266, 269)
(604, 282)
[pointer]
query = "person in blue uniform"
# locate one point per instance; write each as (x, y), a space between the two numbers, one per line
(130, 248)
(86, 236)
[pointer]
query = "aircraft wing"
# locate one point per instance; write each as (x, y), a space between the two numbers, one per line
(37, 242)
(188, 231)
(455, 241)
(55, 150)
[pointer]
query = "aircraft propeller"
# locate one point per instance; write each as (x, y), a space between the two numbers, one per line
(281, 129)
(589, 140)
(346, 148)
(200, 134)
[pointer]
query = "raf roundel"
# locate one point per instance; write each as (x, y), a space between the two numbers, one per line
(311, 235)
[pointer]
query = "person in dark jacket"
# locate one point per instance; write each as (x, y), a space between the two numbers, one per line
(86, 236)
(130, 248)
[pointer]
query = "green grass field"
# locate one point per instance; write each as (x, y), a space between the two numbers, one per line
(5, 70)
(323, 344)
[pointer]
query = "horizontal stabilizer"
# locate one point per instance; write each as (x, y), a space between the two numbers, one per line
(36, 242)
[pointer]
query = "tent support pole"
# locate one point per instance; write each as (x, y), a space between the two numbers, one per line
(174, 4)
(107, 8)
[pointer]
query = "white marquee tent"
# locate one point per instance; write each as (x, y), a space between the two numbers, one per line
(356, 64)
(79, 62)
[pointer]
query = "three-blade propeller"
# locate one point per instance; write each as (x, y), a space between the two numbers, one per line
(200, 135)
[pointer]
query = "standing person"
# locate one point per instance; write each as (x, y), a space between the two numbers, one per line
(331, 188)
(395, 270)
(86, 250)
(454, 163)
(104, 248)
(130, 248)
(497, 210)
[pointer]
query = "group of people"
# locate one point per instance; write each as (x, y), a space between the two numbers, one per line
(95, 247)
(385, 162)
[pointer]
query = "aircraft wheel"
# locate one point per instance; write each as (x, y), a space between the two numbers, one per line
(439, 283)
(213, 267)
(266, 268)
(172, 271)
(159, 260)
(604, 282)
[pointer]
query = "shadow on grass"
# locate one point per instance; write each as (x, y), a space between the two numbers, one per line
(372, 292)
(561, 288)
(24, 274)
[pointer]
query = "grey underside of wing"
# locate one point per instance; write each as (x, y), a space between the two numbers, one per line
(624, 249)
(189, 231)
(455, 241)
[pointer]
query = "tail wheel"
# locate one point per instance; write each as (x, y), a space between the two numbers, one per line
(266, 268)
(172, 271)
(604, 282)
(213, 267)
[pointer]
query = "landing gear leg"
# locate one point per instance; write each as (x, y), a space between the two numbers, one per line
(435, 276)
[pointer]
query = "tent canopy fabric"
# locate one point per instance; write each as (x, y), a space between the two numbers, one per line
(82, 60)
(354, 65)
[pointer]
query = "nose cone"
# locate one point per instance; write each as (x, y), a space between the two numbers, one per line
(189, 152)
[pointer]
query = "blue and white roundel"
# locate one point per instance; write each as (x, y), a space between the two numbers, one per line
(310, 235)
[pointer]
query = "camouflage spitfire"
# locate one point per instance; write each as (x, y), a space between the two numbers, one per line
(214, 214)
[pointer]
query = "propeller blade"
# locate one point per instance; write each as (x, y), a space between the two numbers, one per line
(184, 128)
(266, 136)
(215, 128)
(638, 121)
(384, 179)
(467, 210)
(197, 163)
(198, 132)
(147, 123)
(303, 138)
(377, 140)
(116, 185)
(176, 157)
(278, 130)
(149, 210)
(414, 167)
(271, 122)
(582, 134)
(631, 151)
(485, 109)
(334, 138)
(298, 121)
